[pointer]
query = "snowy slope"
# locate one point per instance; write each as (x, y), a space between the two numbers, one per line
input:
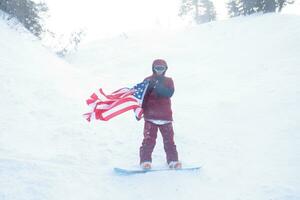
(38, 133)
(236, 110)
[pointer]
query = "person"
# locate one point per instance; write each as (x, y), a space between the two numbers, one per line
(158, 115)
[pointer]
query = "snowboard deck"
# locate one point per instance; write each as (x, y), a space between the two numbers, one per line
(122, 171)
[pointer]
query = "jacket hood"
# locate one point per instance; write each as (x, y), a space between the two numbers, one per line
(159, 62)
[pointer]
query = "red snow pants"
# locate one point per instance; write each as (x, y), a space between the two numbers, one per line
(149, 141)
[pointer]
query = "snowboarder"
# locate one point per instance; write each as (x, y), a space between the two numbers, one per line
(158, 115)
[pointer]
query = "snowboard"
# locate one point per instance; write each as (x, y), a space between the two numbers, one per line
(122, 171)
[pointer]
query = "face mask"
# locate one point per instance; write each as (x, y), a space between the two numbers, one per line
(159, 69)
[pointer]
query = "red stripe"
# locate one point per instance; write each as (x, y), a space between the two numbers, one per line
(100, 112)
(92, 99)
(108, 117)
(112, 101)
(113, 104)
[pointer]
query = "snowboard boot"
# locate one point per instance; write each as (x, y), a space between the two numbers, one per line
(175, 165)
(146, 165)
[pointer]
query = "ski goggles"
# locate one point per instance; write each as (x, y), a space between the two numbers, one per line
(160, 68)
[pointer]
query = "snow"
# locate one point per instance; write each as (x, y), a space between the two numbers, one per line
(236, 110)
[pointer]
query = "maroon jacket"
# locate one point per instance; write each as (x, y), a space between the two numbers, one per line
(157, 100)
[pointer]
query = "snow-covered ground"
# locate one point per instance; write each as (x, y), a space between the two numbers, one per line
(236, 110)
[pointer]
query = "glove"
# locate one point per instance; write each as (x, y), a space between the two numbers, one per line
(159, 80)
(152, 84)
(155, 83)
(161, 90)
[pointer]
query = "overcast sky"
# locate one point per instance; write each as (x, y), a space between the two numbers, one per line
(104, 18)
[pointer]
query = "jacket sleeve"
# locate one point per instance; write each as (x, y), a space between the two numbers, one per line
(165, 88)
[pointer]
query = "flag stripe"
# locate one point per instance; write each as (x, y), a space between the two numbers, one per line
(119, 110)
(104, 107)
(107, 105)
(122, 106)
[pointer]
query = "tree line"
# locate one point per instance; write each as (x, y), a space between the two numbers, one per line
(204, 11)
(32, 15)
(248, 7)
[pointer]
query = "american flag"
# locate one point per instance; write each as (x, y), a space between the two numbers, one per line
(104, 107)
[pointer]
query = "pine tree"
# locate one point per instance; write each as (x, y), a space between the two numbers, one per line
(282, 3)
(202, 11)
(186, 7)
(269, 6)
(189, 7)
(207, 12)
(27, 12)
(248, 7)
(233, 8)
(241, 7)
